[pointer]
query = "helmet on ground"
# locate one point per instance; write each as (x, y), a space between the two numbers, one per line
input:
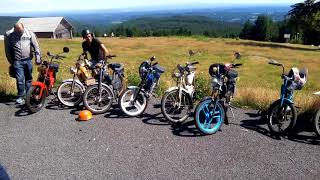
(85, 32)
(85, 115)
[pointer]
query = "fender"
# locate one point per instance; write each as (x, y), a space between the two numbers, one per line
(132, 87)
(83, 88)
(106, 86)
(288, 101)
(211, 98)
(42, 86)
(136, 87)
(176, 88)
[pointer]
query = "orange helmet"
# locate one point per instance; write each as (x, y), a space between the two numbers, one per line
(85, 115)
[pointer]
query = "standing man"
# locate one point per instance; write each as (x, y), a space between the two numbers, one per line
(19, 44)
(92, 45)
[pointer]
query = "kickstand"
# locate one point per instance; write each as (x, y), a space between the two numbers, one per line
(234, 118)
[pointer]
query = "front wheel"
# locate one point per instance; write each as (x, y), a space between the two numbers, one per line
(316, 122)
(68, 95)
(207, 118)
(131, 107)
(176, 110)
(96, 104)
(34, 101)
(281, 119)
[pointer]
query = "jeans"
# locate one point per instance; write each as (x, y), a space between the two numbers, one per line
(23, 71)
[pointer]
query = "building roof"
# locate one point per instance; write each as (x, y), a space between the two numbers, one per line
(43, 24)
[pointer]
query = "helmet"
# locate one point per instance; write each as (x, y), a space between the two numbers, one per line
(85, 32)
(85, 115)
(299, 78)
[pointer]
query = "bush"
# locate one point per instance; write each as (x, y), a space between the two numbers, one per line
(203, 86)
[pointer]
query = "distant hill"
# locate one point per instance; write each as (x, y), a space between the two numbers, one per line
(7, 22)
(192, 25)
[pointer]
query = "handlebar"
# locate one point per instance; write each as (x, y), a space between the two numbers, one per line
(236, 65)
(275, 64)
(110, 56)
(194, 63)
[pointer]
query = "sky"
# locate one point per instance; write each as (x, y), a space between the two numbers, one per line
(16, 6)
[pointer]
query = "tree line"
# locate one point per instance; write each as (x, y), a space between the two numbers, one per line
(302, 23)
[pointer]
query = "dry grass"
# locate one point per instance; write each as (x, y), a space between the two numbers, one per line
(259, 83)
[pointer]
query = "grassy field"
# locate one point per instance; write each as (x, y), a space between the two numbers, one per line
(259, 82)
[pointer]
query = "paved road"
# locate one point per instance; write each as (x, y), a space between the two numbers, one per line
(52, 145)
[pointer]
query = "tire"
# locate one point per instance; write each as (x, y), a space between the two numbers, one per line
(277, 117)
(205, 108)
(35, 103)
(91, 99)
(169, 107)
(68, 98)
(316, 123)
(137, 108)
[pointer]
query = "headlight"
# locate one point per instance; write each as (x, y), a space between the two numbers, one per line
(73, 70)
(215, 82)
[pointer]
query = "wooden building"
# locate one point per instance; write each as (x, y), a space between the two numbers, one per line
(48, 27)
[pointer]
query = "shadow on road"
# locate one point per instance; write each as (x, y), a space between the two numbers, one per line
(187, 129)
(3, 174)
(302, 132)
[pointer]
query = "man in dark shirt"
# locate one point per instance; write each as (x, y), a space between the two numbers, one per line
(92, 45)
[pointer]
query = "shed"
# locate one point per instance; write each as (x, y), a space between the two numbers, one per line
(48, 27)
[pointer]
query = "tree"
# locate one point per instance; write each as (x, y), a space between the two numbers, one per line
(304, 18)
(265, 29)
(246, 32)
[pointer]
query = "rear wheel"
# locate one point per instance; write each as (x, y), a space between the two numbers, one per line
(173, 109)
(34, 101)
(281, 119)
(68, 95)
(207, 119)
(93, 102)
(316, 122)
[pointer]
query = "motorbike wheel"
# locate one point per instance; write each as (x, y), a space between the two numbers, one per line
(92, 102)
(316, 122)
(207, 119)
(34, 102)
(128, 107)
(68, 98)
(170, 107)
(281, 119)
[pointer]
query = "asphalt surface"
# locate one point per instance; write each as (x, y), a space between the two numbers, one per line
(51, 144)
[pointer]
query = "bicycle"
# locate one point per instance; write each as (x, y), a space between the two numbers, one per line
(134, 100)
(282, 114)
(42, 88)
(211, 112)
(177, 102)
(70, 92)
(99, 96)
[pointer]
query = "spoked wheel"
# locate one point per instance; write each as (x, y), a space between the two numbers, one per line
(131, 107)
(176, 110)
(281, 119)
(93, 102)
(207, 119)
(316, 122)
(68, 95)
(34, 101)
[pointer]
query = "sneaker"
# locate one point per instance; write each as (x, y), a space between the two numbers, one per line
(20, 101)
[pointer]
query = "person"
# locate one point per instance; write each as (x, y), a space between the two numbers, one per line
(19, 44)
(96, 49)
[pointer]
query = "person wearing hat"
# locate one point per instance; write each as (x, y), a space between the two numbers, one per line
(19, 45)
(96, 49)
